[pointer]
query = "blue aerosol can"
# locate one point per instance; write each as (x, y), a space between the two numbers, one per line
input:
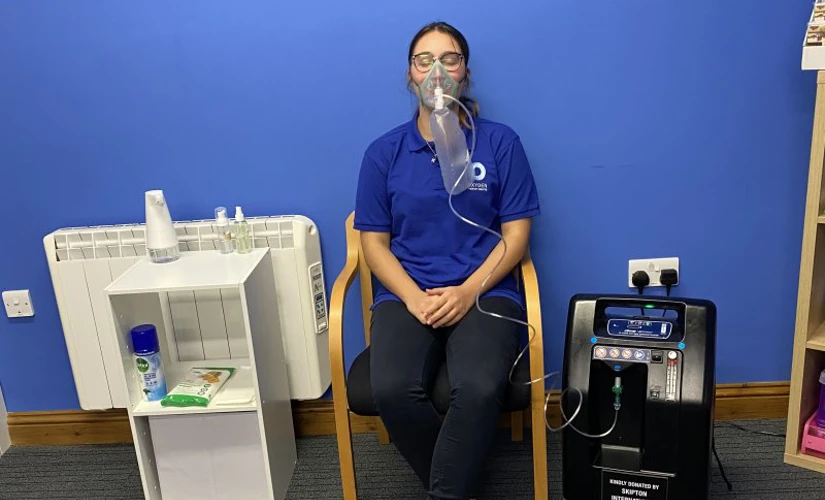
(148, 362)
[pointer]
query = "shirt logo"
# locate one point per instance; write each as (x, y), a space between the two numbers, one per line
(479, 174)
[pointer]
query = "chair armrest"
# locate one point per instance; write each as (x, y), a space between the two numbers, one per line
(336, 309)
(533, 303)
(336, 313)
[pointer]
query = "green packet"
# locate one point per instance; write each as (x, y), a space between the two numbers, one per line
(198, 387)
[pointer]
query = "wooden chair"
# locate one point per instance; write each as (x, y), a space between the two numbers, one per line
(351, 392)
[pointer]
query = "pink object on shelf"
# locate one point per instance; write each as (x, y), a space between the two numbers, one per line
(813, 438)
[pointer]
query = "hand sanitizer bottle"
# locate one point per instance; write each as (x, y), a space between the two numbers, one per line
(244, 242)
(224, 231)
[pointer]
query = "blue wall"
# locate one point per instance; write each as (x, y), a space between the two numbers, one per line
(701, 107)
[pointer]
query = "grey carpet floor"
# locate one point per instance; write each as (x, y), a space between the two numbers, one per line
(753, 463)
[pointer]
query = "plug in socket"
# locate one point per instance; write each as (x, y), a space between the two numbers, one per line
(653, 268)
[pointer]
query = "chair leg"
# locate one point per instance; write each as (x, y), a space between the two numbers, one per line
(343, 430)
(517, 426)
(383, 435)
(539, 431)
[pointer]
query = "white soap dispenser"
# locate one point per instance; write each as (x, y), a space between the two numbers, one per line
(161, 238)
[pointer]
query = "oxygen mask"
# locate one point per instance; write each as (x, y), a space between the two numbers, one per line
(438, 83)
(437, 92)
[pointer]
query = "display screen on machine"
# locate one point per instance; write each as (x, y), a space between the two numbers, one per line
(638, 328)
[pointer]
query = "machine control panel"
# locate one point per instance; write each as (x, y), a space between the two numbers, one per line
(617, 353)
(672, 375)
(316, 277)
(670, 390)
(633, 354)
(628, 354)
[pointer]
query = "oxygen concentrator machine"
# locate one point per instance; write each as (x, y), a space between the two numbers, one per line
(645, 367)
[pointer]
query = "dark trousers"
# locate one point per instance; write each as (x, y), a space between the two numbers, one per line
(404, 361)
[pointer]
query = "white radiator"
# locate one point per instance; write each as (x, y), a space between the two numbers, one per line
(84, 260)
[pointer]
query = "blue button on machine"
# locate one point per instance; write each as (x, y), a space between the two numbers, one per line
(681, 345)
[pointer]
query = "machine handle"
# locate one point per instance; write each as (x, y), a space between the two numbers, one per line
(664, 303)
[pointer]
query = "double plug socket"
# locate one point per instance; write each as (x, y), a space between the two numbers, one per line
(653, 268)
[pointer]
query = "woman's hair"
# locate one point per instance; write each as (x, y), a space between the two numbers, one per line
(450, 30)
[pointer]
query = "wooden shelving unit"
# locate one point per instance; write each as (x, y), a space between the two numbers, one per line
(809, 337)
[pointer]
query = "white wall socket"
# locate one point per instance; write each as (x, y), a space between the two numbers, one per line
(18, 303)
(653, 268)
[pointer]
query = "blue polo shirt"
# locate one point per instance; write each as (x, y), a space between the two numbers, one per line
(400, 191)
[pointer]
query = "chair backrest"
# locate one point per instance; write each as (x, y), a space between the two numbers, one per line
(365, 275)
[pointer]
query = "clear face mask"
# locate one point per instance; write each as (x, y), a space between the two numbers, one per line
(437, 92)
(437, 78)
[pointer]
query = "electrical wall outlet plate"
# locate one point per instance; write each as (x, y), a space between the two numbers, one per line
(18, 303)
(653, 268)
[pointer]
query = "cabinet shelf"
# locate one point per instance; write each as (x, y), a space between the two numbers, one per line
(806, 461)
(193, 271)
(237, 394)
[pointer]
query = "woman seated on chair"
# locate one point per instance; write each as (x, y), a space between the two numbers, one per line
(429, 265)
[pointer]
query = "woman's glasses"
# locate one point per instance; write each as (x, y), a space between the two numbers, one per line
(450, 60)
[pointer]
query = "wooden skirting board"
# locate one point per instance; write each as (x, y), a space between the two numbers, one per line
(315, 418)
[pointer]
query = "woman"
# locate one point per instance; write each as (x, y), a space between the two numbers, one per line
(429, 265)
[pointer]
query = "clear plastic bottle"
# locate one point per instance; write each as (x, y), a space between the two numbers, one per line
(161, 237)
(242, 239)
(225, 242)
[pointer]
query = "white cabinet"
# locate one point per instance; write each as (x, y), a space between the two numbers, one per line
(242, 445)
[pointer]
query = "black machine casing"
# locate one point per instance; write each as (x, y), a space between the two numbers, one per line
(661, 445)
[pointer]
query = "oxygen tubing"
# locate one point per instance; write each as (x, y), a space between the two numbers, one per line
(531, 328)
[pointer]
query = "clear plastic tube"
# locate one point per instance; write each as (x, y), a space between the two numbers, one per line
(568, 421)
(531, 328)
